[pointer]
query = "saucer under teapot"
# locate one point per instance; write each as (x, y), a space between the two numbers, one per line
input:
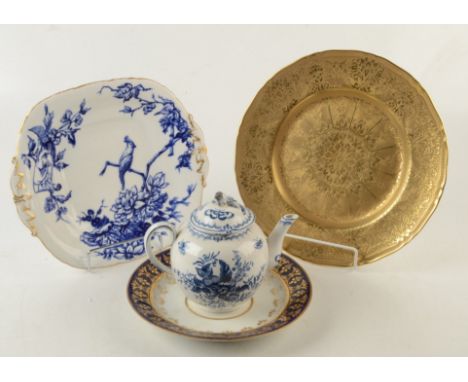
(278, 302)
(222, 256)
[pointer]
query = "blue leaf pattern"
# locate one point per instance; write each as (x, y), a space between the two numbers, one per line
(42, 152)
(217, 284)
(170, 119)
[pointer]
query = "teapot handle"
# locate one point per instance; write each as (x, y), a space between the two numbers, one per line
(154, 240)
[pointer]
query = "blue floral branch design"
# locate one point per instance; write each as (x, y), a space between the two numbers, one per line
(44, 156)
(171, 120)
(133, 213)
(136, 208)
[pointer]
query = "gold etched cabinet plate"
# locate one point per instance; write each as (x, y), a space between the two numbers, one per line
(352, 144)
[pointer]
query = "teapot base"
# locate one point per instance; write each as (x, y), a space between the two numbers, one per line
(219, 314)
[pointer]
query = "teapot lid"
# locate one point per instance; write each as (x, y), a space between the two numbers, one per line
(222, 216)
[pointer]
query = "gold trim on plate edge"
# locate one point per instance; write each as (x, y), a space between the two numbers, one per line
(21, 198)
(350, 142)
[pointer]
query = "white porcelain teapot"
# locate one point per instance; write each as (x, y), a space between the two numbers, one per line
(221, 257)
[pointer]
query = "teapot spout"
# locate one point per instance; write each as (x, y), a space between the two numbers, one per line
(275, 240)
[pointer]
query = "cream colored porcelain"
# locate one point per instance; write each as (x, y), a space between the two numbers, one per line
(221, 258)
(279, 301)
(98, 164)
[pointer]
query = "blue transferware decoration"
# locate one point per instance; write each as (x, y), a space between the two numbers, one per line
(136, 208)
(182, 246)
(226, 261)
(217, 214)
(280, 300)
(170, 117)
(258, 244)
(215, 277)
(126, 156)
(46, 152)
(288, 220)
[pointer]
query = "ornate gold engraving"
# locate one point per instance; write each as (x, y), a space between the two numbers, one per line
(350, 142)
(340, 158)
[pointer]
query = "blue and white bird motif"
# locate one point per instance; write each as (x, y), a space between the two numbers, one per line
(214, 271)
(125, 162)
(219, 283)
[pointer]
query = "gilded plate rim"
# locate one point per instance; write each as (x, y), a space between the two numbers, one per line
(22, 193)
(441, 170)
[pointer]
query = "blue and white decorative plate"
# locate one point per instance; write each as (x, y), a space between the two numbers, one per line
(98, 164)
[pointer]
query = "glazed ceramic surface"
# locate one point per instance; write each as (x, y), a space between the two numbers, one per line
(98, 164)
(351, 143)
(280, 300)
(221, 258)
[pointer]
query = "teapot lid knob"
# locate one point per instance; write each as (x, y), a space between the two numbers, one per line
(224, 215)
(223, 200)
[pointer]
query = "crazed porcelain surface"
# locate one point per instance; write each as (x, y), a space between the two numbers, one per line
(98, 164)
(279, 301)
(221, 258)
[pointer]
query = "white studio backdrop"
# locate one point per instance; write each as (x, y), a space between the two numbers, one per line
(414, 302)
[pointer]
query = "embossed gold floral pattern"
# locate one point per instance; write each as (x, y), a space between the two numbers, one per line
(294, 277)
(340, 159)
(353, 145)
